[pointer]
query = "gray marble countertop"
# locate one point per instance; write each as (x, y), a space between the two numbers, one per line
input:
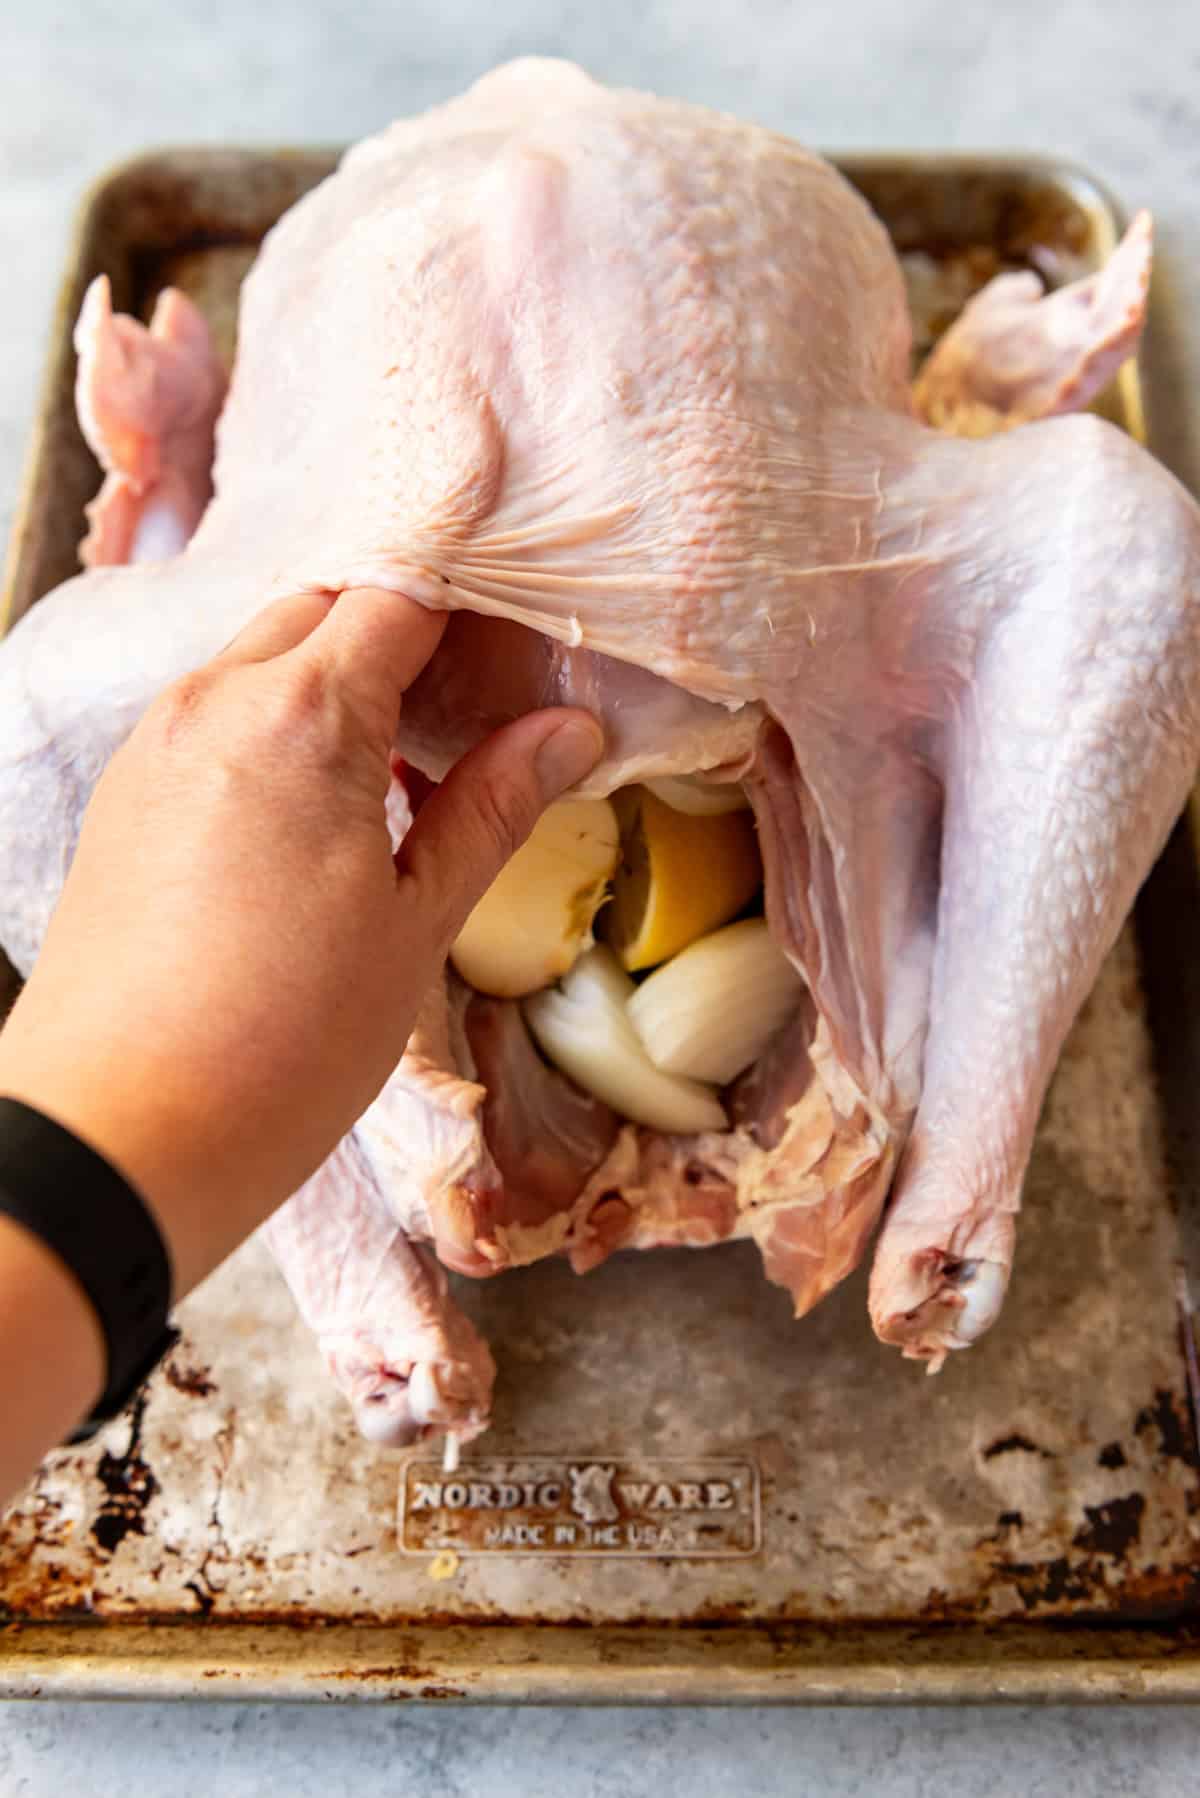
(1114, 87)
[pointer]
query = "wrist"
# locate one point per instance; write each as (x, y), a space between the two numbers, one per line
(83, 1211)
(131, 1119)
(52, 1355)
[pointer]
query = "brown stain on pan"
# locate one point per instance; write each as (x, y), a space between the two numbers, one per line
(193, 1381)
(1171, 1422)
(944, 211)
(1013, 1444)
(129, 1484)
(1093, 1580)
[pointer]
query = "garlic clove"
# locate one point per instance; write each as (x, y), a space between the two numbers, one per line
(711, 1010)
(536, 917)
(698, 797)
(583, 1027)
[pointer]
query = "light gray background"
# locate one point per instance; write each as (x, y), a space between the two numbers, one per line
(1114, 85)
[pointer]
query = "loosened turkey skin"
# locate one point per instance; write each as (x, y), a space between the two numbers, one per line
(624, 385)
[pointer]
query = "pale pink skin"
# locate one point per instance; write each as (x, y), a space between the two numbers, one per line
(1016, 354)
(404, 1356)
(629, 392)
(148, 400)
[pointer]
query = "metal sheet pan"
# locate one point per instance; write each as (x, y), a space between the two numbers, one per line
(770, 1510)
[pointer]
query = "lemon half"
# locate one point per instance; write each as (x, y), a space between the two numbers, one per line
(679, 877)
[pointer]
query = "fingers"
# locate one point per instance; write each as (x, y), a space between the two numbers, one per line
(486, 807)
(374, 644)
(276, 629)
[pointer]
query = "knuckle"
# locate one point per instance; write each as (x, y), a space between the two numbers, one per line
(291, 708)
(299, 702)
(175, 711)
(306, 716)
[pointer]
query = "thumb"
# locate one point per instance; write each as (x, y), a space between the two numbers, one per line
(486, 807)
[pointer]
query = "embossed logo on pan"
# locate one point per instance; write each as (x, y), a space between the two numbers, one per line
(554, 1505)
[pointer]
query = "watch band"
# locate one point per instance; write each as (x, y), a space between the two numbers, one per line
(73, 1200)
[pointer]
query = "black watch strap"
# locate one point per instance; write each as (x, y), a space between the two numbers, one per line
(77, 1203)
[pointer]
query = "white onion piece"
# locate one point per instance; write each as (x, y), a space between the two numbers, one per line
(711, 1010)
(699, 798)
(583, 1027)
(537, 914)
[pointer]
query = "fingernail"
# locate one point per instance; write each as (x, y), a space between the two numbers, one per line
(567, 754)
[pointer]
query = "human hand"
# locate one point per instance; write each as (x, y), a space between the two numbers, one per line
(236, 962)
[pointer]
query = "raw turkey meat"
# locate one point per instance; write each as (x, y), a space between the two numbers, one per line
(624, 384)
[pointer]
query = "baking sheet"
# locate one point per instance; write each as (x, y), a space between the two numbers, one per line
(760, 1508)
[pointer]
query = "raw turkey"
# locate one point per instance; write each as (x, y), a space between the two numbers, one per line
(624, 385)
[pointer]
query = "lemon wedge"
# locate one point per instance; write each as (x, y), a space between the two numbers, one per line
(680, 876)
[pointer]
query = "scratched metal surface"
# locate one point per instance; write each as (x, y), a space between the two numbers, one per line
(1048, 1474)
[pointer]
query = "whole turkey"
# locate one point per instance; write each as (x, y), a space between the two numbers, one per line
(624, 385)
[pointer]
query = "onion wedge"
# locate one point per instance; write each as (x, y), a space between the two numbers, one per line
(583, 1027)
(537, 915)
